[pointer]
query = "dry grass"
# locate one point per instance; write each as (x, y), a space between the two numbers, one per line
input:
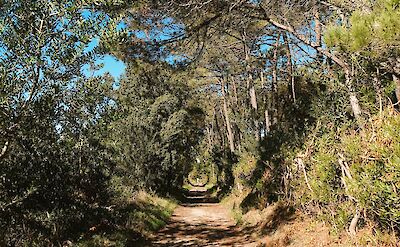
(279, 225)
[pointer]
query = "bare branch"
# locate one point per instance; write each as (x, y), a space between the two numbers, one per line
(4, 150)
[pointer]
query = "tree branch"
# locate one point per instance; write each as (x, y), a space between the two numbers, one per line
(4, 150)
(290, 29)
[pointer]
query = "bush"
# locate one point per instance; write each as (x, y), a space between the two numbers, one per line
(355, 169)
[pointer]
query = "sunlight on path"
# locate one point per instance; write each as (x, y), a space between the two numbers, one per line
(206, 224)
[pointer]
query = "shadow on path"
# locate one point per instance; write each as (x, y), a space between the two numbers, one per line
(200, 221)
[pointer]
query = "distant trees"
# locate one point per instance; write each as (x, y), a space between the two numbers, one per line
(155, 129)
(280, 82)
(281, 75)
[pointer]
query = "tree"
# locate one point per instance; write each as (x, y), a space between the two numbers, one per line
(156, 130)
(53, 167)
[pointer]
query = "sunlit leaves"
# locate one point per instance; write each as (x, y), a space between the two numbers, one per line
(369, 31)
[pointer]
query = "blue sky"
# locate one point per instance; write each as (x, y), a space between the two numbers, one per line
(110, 64)
(115, 67)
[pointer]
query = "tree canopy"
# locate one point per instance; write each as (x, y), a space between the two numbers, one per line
(297, 100)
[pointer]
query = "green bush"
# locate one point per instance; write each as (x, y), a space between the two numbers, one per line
(372, 157)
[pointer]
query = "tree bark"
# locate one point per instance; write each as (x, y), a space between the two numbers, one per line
(290, 66)
(353, 224)
(267, 123)
(355, 106)
(227, 120)
(209, 138)
(303, 168)
(251, 88)
(378, 90)
(234, 87)
(275, 81)
(396, 80)
(4, 150)
(318, 28)
(218, 128)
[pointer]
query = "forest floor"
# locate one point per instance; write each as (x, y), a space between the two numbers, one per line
(202, 222)
(206, 224)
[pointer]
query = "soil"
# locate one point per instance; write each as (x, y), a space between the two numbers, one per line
(202, 222)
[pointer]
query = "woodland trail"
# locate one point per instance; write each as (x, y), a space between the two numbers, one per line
(202, 222)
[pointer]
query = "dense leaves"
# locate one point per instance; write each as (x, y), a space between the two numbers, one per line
(155, 129)
(295, 100)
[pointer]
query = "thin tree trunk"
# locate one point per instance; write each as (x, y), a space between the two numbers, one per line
(396, 80)
(275, 66)
(262, 79)
(4, 149)
(253, 97)
(303, 168)
(275, 82)
(238, 138)
(267, 123)
(353, 224)
(318, 31)
(251, 88)
(290, 66)
(218, 128)
(212, 129)
(228, 124)
(355, 106)
(378, 90)
(235, 91)
(353, 98)
(346, 174)
(209, 138)
(318, 28)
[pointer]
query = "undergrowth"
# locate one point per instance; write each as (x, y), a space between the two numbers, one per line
(135, 218)
(338, 172)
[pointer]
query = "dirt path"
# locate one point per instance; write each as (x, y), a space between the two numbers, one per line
(202, 224)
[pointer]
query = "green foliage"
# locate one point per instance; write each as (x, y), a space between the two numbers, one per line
(258, 111)
(369, 31)
(372, 156)
(131, 222)
(156, 131)
(55, 170)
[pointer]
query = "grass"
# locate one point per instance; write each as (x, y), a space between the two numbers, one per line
(132, 224)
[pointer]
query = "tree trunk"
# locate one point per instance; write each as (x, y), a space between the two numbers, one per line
(355, 106)
(275, 82)
(396, 80)
(212, 129)
(235, 92)
(239, 138)
(267, 123)
(290, 66)
(251, 88)
(4, 149)
(378, 90)
(218, 128)
(253, 97)
(228, 124)
(209, 133)
(318, 29)
(288, 28)
(353, 224)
